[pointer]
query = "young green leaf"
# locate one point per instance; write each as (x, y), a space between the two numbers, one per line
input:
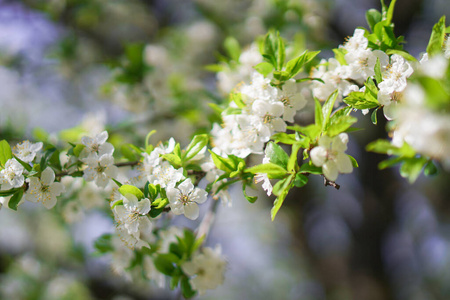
(232, 47)
(287, 184)
(15, 199)
(130, 189)
(195, 146)
(272, 170)
(437, 38)
(5, 152)
(276, 154)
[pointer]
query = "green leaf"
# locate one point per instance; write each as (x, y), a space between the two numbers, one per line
(195, 146)
(165, 263)
(312, 131)
(264, 68)
(232, 47)
(430, 168)
(284, 190)
(390, 12)
(272, 170)
(412, 167)
(294, 66)
(385, 147)
(271, 49)
(24, 164)
(128, 152)
(293, 163)
(173, 159)
(437, 38)
(373, 16)
(104, 244)
(373, 117)
(353, 160)
(186, 288)
(230, 164)
(437, 96)
(318, 113)
(328, 108)
(311, 169)
(15, 199)
(251, 199)
(390, 162)
(339, 54)
(5, 152)
(77, 149)
(276, 154)
(284, 138)
(130, 189)
(117, 182)
(405, 54)
(237, 99)
(340, 124)
(281, 53)
(300, 180)
(378, 74)
(152, 190)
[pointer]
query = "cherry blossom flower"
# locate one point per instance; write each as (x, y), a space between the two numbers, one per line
(132, 213)
(331, 157)
(101, 170)
(184, 199)
(206, 269)
(11, 176)
(44, 189)
(166, 175)
(26, 151)
(96, 145)
(292, 100)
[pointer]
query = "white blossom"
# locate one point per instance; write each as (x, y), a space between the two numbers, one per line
(329, 155)
(184, 199)
(166, 175)
(11, 176)
(95, 146)
(101, 170)
(44, 189)
(206, 269)
(132, 213)
(394, 77)
(292, 100)
(26, 151)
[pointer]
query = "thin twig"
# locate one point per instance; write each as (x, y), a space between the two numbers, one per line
(327, 182)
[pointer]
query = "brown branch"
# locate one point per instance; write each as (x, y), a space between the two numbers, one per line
(121, 164)
(327, 182)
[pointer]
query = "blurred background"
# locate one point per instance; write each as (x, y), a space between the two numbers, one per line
(75, 67)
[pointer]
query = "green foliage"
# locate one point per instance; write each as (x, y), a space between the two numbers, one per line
(281, 189)
(366, 99)
(130, 189)
(195, 146)
(103, 244)
(272, 170)
(276, 155)
(232, 47)
(15, 199)
(437, 38)
(5, 152)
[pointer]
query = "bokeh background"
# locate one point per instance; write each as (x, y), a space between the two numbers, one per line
(71, 67)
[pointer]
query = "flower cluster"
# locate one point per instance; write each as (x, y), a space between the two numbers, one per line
(264, 110)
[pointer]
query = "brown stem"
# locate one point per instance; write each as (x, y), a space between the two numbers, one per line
(121, 164)
(330, 183)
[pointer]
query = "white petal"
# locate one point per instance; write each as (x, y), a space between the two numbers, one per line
(199, 195)
(191, 210)
(330, 170)
(47, 176)
(56, 188)
(279, 125)
(172, 194)
(340, 142)
(101, 137)
(186, 186)
(344, 164)
(106, 148)
(318, 156)
(276, 109)
(87, 141)
(144, 206)
(49, 202)
(260, 107)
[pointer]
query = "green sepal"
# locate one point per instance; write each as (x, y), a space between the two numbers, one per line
(251, 199)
